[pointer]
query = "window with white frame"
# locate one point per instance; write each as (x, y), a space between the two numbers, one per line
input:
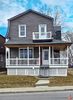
(23, 53)
(42, 28)
(22, 30)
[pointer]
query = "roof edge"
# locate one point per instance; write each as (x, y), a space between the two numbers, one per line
(30, 10)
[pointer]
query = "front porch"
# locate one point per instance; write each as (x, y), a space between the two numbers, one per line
(37, 60)
(37, 56)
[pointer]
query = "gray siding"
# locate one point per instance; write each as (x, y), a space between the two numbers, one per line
(32, 21)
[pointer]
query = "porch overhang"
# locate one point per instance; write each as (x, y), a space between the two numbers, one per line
(55, 45)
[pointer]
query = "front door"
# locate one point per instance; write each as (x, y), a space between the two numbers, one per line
(45, 56)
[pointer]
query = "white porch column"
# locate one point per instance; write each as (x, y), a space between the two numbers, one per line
(27, 55)
(49, 56)
(52, 56)
(39, 55)
(67, 55)
(7, 56)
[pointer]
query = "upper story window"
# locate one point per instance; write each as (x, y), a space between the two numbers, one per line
(42, 28)
(22, 30)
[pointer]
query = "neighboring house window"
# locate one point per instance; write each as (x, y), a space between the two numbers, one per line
(23, 53)
(22, 30)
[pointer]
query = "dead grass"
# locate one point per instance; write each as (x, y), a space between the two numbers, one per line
(17, 81)
(61, 81)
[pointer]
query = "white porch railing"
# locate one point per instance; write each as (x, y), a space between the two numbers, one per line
(22, 61)
(41, 35)
(59, 61)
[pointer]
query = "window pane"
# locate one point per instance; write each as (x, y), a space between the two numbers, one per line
(45, 55)
(42, 29)
(23, 53)
(22, 30)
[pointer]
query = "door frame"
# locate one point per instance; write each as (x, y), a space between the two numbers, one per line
(47, 62)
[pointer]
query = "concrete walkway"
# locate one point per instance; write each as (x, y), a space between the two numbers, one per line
(35, 89)
(42, 82)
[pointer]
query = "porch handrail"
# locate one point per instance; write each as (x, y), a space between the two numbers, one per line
(47, 35)
(58, 61)
(22, 61)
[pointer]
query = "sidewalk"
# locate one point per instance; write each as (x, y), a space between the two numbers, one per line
(35, 89)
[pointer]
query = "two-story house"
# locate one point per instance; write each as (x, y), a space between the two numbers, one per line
(34, 46)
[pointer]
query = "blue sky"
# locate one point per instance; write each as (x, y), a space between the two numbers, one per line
(10, 8)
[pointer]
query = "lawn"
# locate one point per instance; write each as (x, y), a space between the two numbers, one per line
(7, 81)
(61, 81)
(17, 81)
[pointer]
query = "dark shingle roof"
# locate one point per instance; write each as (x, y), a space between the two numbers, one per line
(26, 12)
(27, 43)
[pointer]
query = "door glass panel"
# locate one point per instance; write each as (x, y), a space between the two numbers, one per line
(45, 55)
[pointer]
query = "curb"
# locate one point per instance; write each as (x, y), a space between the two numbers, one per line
(35, 89)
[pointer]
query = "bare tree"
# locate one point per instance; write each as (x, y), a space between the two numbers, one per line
(68, 36)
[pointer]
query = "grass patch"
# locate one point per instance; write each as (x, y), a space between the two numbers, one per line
(7, 81)
(61, 81)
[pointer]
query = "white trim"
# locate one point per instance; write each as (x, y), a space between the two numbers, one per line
(67, 54)
(7, 52)
(47, 63)
(19, 30)
(49, 55)
(28, 55)
(45, 27)
(31, 66)
(16, 72)
(39, 55)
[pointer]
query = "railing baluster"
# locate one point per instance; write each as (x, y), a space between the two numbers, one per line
(59, 61)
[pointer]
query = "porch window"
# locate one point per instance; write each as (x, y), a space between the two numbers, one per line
(23, 53)
(22, 30)
(30, 53)
(56, 53)
(56, 56)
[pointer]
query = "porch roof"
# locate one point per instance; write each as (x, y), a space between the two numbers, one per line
(56, 43)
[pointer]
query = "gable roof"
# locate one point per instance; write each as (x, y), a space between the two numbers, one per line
(28, 11)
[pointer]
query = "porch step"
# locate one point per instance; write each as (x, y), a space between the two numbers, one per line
(42, 82)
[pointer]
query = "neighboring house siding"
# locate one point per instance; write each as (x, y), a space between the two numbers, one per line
(32, 22)
(2, 52)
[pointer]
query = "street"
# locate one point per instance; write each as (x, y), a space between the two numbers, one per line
(56, 95)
